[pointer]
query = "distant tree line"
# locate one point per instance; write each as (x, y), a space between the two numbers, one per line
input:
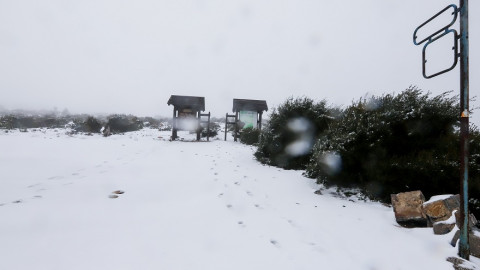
(117, 123)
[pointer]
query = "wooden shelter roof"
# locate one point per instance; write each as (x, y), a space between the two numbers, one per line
(187, 102)
(249, 105)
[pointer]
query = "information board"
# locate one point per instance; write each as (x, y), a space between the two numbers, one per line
(249, 118)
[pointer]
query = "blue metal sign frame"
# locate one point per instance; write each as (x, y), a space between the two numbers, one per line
(462, 38)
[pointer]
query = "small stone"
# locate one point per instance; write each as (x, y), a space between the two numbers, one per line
(455, 238)
(461, 264)
(473, 242)
(472, 221)
(441, 228)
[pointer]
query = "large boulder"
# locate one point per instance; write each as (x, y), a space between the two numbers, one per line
(408, 209)
(453, 202)
(441, 209)
(436, 211)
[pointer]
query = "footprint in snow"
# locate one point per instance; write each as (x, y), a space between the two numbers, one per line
(229, 206)
(274, 242)
(115, 194)
(291, 223)
(241, 224)
(249, 193)
(18, 201)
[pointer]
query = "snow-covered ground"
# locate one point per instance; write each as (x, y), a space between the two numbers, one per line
(186, 205)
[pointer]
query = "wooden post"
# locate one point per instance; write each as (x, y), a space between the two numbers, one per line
(208, 128)
(174, 124)
(259, 124)
(198, 126)
(226, 121)
(235, 135)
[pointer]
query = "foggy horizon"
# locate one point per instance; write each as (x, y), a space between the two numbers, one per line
(122, 57)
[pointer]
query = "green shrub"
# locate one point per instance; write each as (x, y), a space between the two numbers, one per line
(8, 122)
(249, 136)
(287, 139)
(90, 125)
(93, 125)
(212, 131)
(123, 123)
(395, 143)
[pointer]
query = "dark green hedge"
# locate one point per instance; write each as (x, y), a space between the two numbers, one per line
(294, 126)
(396, 143)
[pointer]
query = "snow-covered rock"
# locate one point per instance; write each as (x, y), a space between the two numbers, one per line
(408, 209)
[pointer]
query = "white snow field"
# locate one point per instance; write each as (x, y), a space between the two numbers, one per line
(186, 205)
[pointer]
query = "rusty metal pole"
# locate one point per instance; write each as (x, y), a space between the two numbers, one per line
(464, 248)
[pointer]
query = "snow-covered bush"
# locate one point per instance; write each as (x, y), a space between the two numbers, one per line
(90, 125)
(294, 126)
(249, 136)
(212, 131)
(7, 121)
(124, 123)
(394, 143)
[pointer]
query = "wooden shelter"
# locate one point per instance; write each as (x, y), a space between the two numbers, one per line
(187, 108)
(248, 113)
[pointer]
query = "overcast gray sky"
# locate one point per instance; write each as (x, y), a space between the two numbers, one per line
(114, 56)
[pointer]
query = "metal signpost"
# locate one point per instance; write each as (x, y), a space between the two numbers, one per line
(463, 249)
